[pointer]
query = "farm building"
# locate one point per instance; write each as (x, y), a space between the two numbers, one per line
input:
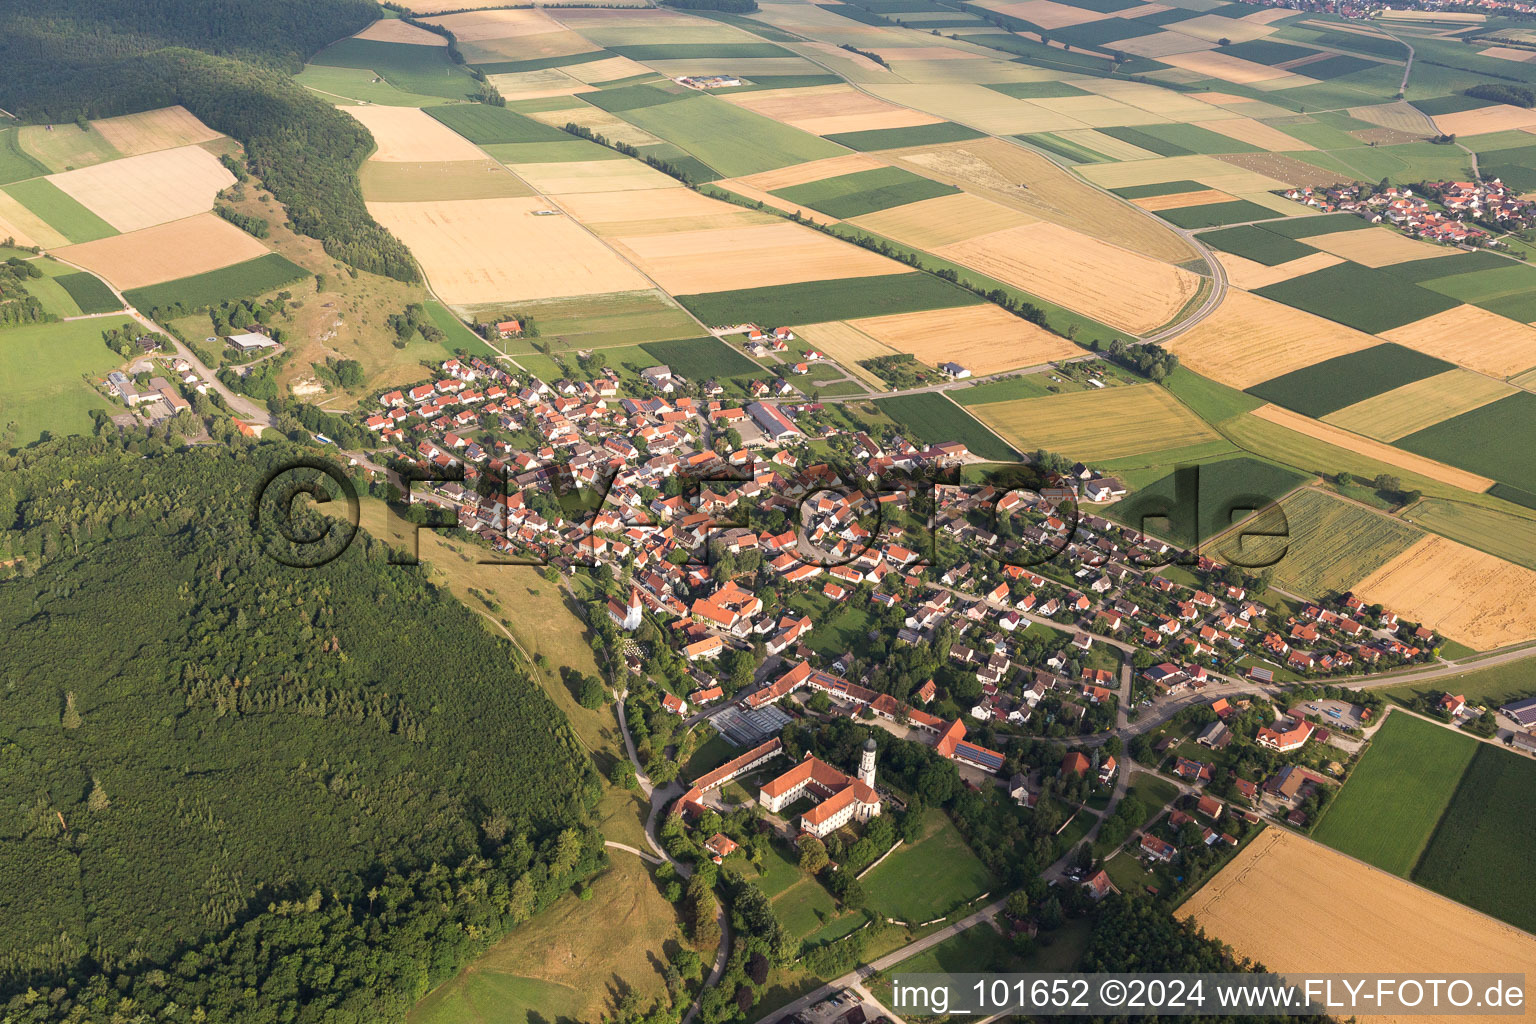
(250, 341)
(1522, 711)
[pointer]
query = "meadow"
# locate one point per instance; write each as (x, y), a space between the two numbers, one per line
(15, 164)
(812, 302)
(1215, 214)
(702, 358)
(1387, 812)
(1333, 384)
(411, 68)
(40, 370)
(1462, 441)
(933, 419)
(930, 877)
(253, 277)
(1255, 243)
(898, 138)
(1367, 300)
(1483, 840)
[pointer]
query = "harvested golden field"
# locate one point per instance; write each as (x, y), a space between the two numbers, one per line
(1473, 337)
(560, 178)
(611, 126)
(141, 191)
(1044, 13)
(1110, 146)
(1508, 53)
(1264, 905)
(1249, 274)
(154, 130)
(610, 70)
(1207, 170)
(942, 220)
(984, 339)
(1224, 67)
(165, 252)
(1451, 16)
(26, 227)
(1256, 133)
(477, 26)
(1372, 449)
(1179, 200)
(536, 85)
(1099, 111)
(559, 43)
(657, 212)
(1164, 43)
(1172, 105)
(847, 345)
(393, 30)
(686, 262)
(979, 107)
(1376, 247)
(1251, 339)
(409, 135)
(1497, 118)
(997, 170)
(812, 170)
(1114, 423)
(1116, 286)
(1397, 116)
(494, 250)
(1280, 168)
(1401, 411)
(1466, 594)
(1217, 28)
(774, 202)
(826, 110)
(399, 182)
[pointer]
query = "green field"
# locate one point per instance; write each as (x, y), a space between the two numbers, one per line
(1509, 290)
(459, 336)
(1268, 51)
(1387, 811)
(930, 877)
(849, 195)
(62, 211)
(1209, 215)
(895, 138)
(1307, 227)
(1333, 544)
(1194, 503)
(1161, 188)
(14, 163)
(1515, 167)
(1336, 383)
(1180, 140)
(1036, 90)
(1510, 537)
(1468, 441)
(701, 51)
(1258, 244)
(813, 302)
(90, 293)
(507, 67)
(40, 375)
(1485, 839)
(361, 84)
(806, 907)
(1490, 687)
(1010, 389)
(551, 152)
(932, 418)
(407, 66)
(1064, 148)
(702, 358)
(1455, 264)
(1359, 297)
(253, 277)
(633, 97)
(729, 139)
(483, 124)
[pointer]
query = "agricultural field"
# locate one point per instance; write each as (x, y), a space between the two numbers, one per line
(180, 249)
(1251, 339)
(1420, 405)
(1098, 424)
(1463, 440)
(15, 163)
(1333, 384)
(954, 875)
(409, 67)
(142, 191)
(1367, 300)
(154, 130)
(1465, 594)
(1264, 905)
(40, 374)
(399, 182)
(727, 138)
(702, 358)
(1505, 535)
(851, 195)
(933, 419)
(817, 301)
(1195, 503)
(1330, 544)
(62, 147)
(1474, 338)
(253, 277)
(984, 339)
(40, 204)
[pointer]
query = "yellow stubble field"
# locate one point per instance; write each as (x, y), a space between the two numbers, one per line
(495, 250)
(155, 188)
(1250, 274)
(577, 176)
(386, 181)
(1256, 133)
(411, 135)
(165, 252)
(393, 30)
(657, 212)
(1421, 404)
(983, 338)
(1224, 67)
(1031, 184)
(154, 130)
(611, 126)
(714, 260)
(1116, 286)
(1473, 337)
(943, 220)
(1250, 339)
(1264, 905)
(1376, 247)
(1045, 13)
(1114, 423)
(847, 345)
(1179, 200)
(826, 110)
(478, 26)
(1497, 118)
(1466, 594)
(27, 228)
(811, 170)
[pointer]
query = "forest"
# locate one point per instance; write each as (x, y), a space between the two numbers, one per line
(245, 788)
(229, 63)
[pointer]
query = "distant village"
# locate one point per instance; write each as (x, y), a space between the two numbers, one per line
(1444, 211)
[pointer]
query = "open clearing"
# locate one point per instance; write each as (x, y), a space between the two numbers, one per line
(954, 874)
(410, 135)
(390, 182)
(1096, 425)
(1468, 595)
(984, 339)
(1264, 904)
(476, 250)
(763, 255)
(166, 252)
(142, 191)
(1473, 337)
(996, 170)
(1422, 404)
(40, 370)
(1379, 248)
(1072, 269)
(943, 221)
(1329, 434)
(154, 130)
(1251, 339)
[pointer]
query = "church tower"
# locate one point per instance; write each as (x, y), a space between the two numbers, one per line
(867, 764)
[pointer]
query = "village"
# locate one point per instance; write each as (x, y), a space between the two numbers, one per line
(1445, 211)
